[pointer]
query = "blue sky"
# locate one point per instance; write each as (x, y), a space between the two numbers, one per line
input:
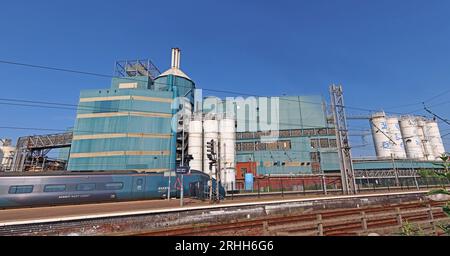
(385, 53)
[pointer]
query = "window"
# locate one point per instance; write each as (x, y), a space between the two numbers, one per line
(139, 182)
(331, 131)
(322, 131)
(114, 186)
(314, 143)
(106, 106)
(260, 146)
(308, 132)
(85, 186)
(20, 189)
(285, 133)
(314, 156)
(333, 143)
(247, 135)
(54, 188)
(284, 144)
(324, 143)
(296, 133)
(244, 171)
(248, 146)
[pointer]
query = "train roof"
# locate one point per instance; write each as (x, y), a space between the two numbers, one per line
(61, 173)
(65, 173)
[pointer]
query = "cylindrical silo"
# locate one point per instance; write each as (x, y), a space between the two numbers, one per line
(411, 140)
(227, 130)
(397, 147)
(380, 135)
(6, 154)
(424, 138)
(195, 147)
(434, 136)
(210, 132)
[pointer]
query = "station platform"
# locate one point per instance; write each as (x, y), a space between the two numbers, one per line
(19, 216)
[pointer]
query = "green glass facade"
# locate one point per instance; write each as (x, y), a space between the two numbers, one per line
(129, 126)
(282, 135)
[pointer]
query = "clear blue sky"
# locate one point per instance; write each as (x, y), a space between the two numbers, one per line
(384, 53)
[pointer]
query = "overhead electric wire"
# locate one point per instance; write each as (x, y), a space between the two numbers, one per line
(437, 116)
(130, 78)
(440, 103)
(437, 95)
(206, 89)
(77, 107)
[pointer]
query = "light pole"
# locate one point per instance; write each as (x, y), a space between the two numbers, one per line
(324, 183)
(397, 183)
(182, 164)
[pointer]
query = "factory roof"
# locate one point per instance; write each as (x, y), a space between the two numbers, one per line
(175, 72)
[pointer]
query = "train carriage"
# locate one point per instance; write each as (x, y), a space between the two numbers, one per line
(19, 190)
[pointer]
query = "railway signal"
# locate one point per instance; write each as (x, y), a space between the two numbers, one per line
(212, 156)
(210, 149)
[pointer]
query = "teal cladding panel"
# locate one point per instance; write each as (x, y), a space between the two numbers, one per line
(143, 82)
(121, 144)
(292, 112)
(123, 92)
(329, 160)
(122, 124)
(120, 163)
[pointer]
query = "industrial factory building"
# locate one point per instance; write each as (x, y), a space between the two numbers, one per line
(129, 126)
(280, 135)
(149, 121)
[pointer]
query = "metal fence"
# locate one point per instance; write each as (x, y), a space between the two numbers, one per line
(331, 185)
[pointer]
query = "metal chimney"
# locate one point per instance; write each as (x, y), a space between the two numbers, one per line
(175, 58)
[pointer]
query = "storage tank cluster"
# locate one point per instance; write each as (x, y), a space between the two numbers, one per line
(406, 137)
(6, 154)
(222, 130)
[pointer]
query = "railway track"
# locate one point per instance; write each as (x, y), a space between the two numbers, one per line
(304, 223)
(225, 219)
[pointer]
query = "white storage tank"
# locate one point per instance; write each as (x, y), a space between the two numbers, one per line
(230, 176)
(424, 138)
(411, 140)
(227, 135)
(397, 148)
(6, 154)
(437, 146)
(195, 147)
(380, 132)
(211, 132)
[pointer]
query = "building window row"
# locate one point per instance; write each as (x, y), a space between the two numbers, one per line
(261, 146)
(24, 189)
(323, 143)
(286, 133)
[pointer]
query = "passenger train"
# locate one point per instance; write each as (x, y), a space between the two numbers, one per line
(56, 188)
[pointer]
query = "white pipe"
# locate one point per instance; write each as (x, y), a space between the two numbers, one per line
(173, 57)
(178, 57)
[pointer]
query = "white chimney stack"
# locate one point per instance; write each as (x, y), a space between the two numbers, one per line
(175, 58)
(175, 65)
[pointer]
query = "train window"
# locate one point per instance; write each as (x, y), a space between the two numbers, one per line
(20, 189)
(54, 188)
(114, 186)
(86, 186)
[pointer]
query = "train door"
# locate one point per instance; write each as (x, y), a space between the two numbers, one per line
(138, 187)
(196, 189)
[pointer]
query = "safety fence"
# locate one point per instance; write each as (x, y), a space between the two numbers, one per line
(330, 185)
